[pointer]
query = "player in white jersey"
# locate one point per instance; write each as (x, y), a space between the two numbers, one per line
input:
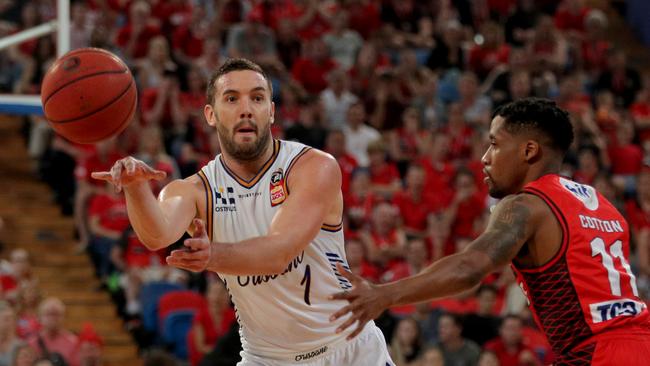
(266, 216)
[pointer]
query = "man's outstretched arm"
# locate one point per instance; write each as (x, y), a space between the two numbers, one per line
(315, 186)
(511, 224)
(157, 222)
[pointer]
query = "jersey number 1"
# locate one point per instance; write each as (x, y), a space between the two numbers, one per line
(614, 276)
(307, 282)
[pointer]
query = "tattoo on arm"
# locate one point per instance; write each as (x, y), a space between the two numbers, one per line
(507, 231)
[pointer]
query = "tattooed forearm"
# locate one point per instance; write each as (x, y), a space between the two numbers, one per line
(506, 232)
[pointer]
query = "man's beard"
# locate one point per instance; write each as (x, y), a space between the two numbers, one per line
(245, 151)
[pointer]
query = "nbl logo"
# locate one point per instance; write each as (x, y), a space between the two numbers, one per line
(224, 199)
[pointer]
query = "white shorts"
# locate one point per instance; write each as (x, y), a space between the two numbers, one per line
(367, 349)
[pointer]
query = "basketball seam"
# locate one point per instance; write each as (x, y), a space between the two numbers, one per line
(109, 103)
(81, 78)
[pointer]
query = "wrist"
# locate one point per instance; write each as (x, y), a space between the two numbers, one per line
(137, 188)
(387, 295)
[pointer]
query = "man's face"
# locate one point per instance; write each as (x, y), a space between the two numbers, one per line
(242, 112)
(503, 162)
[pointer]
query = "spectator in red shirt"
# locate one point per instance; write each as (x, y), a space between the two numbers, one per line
(439, 170)
(108, 219)
(355, 254)
(416, 258)
(210, 58)
(386, 242)
(595, 46)
(311, 69)
(384, 176)
(253, 40)
(549, 46)
(27, 300)
(360, 200)
(415, 204)
(210, 323)
(465, 209)
(189, 37)
(106, 153)
(459, 132)
(134, 37)
(20, 272)
(369, 63)
(509, 347)
(626, 157)
(407, 142)
(335, 145)
(53, 335)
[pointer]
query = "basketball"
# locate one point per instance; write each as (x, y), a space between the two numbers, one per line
(88, 95)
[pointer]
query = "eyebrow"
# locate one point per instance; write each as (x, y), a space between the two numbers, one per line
(233, 91)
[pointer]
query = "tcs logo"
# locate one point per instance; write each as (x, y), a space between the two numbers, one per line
(604, 311)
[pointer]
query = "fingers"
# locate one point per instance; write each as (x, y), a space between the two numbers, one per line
(347, 274)
(199, 229)
(101, 176)
(344, 310)
(196, 243)
(343, 295)
(151, 173)
(116, 175)
(190, 265)
(346, 324)
(362, 324)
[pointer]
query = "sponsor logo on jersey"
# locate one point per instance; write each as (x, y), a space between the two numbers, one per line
(277, 188)
(224, 199)
(586, 194)
(312, 354)
(608, 310)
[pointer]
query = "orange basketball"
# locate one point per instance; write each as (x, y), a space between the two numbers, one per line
(88, 95)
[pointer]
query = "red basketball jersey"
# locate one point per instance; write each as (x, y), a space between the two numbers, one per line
(587, 288)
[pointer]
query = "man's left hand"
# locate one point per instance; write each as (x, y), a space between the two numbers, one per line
(195, 256)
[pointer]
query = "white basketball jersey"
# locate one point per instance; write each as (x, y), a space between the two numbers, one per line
(288, 312)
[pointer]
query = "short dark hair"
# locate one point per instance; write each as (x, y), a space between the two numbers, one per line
(234, 64)
(538, 115)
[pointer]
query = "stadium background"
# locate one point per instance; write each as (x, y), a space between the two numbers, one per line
(399, 91)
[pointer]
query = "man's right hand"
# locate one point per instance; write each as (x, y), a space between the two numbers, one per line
(128, 171)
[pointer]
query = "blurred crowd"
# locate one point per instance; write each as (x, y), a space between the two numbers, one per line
(400, 92)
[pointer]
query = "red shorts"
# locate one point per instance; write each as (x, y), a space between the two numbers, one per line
(629, 346)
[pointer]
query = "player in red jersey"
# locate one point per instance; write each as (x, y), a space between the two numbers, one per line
(567, 244)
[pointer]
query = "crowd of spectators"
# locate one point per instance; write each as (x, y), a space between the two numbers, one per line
(400, 92)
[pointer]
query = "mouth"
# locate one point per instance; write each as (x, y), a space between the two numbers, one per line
(487, 176)
(246, 129)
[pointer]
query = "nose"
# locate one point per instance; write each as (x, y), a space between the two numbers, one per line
(485, 158)
(245, 112)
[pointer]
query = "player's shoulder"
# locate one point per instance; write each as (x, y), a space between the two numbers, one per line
(530, 205)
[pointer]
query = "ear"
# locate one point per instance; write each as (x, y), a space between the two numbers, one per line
(208, 112)
(532, 151)
(272, 117)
